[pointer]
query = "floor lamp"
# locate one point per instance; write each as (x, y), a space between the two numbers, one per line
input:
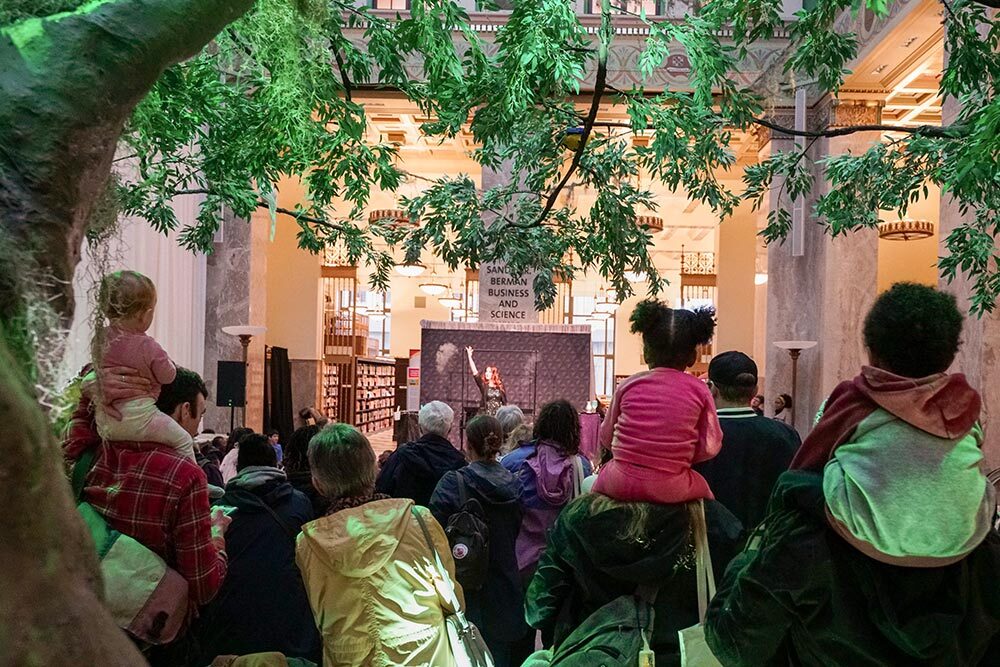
(794, 349)
(245, 333)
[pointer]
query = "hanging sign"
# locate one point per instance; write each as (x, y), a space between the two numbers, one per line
(504, 298)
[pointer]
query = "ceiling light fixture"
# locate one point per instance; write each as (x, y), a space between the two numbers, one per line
(433, 288)
(636, 276)
(905, 230)
(410, 269)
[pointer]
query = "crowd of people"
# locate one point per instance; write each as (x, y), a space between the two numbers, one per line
(871, 542)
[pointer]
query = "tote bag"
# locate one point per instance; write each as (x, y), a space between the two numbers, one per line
(467, 645)
(694, 648)
(146, 598)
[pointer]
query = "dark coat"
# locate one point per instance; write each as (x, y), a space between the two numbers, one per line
(210, 467)
(414, 470)
(587, 564)
(262, 605)
(755, 451)
(498, 607)
(806, 597)
(301, 480)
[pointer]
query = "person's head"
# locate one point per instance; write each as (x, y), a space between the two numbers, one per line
(218, 443)
(733, 378)
(510, 417)
(342, 462)
(237, 435)
(515, 430)
(435, 418)
(634, 528)
(272, 436)
(184, 400)
(558, 422)
(913, 331)
(313, 417)
(757, 402)
(670, 337)
(296, 456)
(127, 299)
(256, 450)
(491, 376)
(485, 437)
(782, 402)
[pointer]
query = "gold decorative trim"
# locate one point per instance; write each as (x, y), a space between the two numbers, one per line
(905, 230)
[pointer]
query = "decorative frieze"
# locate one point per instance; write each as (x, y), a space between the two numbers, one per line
(833, 113)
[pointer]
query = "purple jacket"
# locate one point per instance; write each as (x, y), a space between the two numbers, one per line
(547, 479)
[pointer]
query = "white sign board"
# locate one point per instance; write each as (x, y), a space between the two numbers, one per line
(504, 298)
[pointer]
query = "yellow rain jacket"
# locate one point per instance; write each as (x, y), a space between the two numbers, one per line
(373, 587)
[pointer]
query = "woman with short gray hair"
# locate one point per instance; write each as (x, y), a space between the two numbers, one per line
(515, 431)
(367, 611)
(413, 470)
(436, 417)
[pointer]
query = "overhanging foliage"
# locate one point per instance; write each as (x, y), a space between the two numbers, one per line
(275, 95)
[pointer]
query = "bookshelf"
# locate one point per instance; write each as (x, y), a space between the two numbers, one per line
(331, 390)
(358, 389)
(375, 393)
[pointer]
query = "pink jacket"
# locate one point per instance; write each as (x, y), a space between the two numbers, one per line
(144, 354)
(661, 422)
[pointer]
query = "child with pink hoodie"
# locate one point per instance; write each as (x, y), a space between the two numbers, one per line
(662, 421)
(128, 299)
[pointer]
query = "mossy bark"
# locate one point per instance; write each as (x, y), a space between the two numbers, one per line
(67, 85)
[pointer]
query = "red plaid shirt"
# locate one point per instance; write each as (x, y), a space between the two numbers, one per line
(151, 493)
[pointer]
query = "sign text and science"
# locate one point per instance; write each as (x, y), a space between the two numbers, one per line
(504, 298)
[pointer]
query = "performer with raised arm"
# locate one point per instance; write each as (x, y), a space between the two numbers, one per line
(491, 389)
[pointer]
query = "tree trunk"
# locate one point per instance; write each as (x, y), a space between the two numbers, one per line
(68, 83)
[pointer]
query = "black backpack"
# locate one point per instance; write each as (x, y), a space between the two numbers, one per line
(469, 538)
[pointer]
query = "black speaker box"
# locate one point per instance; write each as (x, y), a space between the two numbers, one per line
(231, 388)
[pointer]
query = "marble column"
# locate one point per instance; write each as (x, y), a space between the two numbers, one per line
(236, 295)
(824, 294)
(501, 298)
(735, 266)
(979, 356)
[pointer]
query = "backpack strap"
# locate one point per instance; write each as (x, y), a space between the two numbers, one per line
(463, 491)
(281, 522)
(83, 465)
(277, 518)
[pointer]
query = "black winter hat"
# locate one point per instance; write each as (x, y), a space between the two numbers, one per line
(733, 369)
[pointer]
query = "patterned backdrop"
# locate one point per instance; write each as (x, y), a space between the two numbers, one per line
(538, 363)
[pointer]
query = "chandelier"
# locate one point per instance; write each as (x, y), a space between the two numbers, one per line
(651, 223)
(396, 217)
(905, 230)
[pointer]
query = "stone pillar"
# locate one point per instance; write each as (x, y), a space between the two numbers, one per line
(979, 356)
(236, 294)
(502, 298)
(824, 294)
(735, 266)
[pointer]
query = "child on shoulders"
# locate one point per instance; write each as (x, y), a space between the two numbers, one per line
(662, 421)
(128, 299)
(900, 445)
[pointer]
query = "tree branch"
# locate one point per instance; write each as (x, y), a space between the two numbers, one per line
(600, 81)
(348, 88)
(941, 132)
(301, 217)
